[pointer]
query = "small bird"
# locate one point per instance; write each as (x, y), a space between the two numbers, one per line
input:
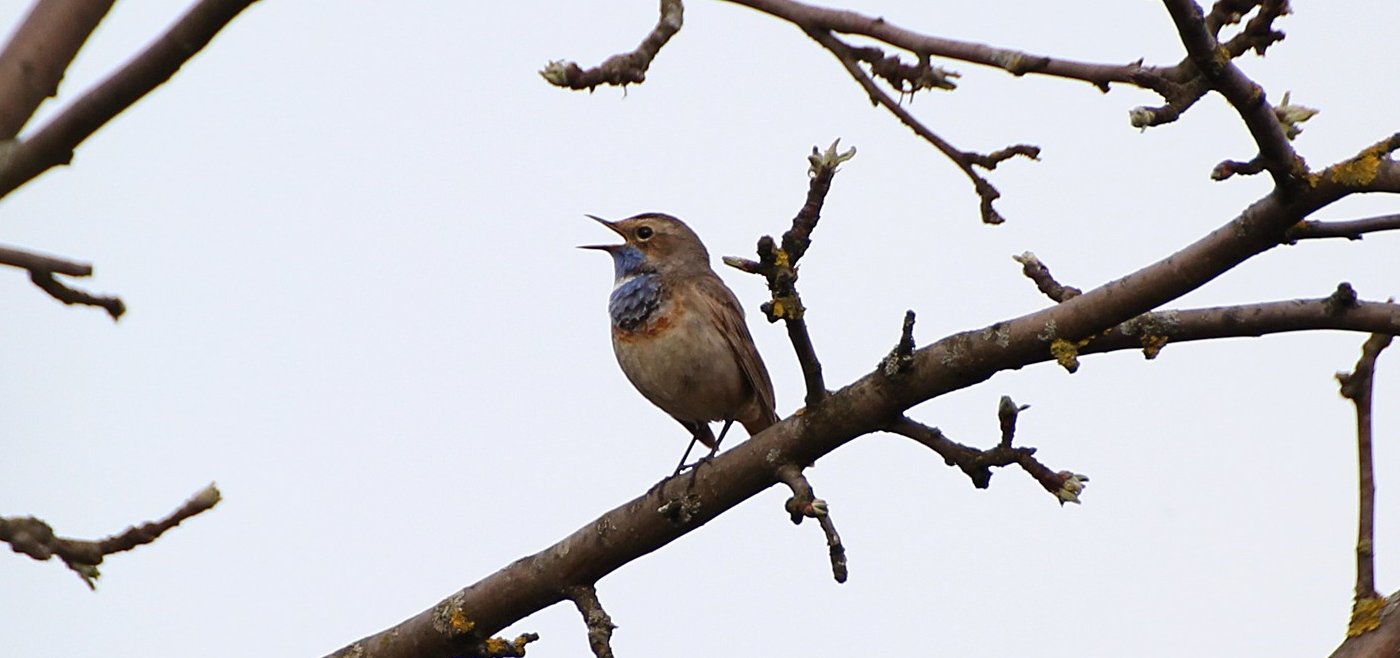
(679, 334)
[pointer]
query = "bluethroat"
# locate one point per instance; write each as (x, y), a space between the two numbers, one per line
(679, 334)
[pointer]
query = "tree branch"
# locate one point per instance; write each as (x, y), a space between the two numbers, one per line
(600, 626)
(53, 144)
(1044, 281)
(869, 404)
(33, 62)
(779, 266)
(963, 159)
(1015, 62)
(1353, 229)
(1247, 97)
(1357, 386)
(33, 537)
(625, 68)
(41, 270)
(805, 504)
(977, 464)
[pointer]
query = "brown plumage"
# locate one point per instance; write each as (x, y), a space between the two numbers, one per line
(679, 332)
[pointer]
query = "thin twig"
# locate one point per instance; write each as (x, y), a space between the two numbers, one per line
(1353, 229)
(36, 538)
(779, 267)
(1007, 413)
(114, 306)
(1357, 386)
(805, 504)
(42, 269)
(901, 359)
(53, 144)
(977, 464)
(600, 626)
(625, 68)
(963, 159)
(1037, 271)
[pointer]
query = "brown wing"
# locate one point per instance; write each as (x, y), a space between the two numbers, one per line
(730, 317)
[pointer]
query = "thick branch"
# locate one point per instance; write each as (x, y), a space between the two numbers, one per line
(33, 62)
(1384, 641)
(31, 261)
(625, 68)
(32, 537)
(53, 144)
(869, 404)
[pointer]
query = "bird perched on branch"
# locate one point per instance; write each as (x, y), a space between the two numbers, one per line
(679, 334)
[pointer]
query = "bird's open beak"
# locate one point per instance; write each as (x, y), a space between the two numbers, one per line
(604, 247)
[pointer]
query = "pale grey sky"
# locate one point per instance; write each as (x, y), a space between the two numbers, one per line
(345, 233)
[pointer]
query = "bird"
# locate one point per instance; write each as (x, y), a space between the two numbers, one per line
(679, 334)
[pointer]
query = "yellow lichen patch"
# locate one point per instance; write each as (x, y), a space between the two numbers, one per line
(781, 259)
(1152, 345)
(460, 623)
(497, 646)
(1360, 170)
(1066, 353)
(1365, 615)
(787, 308)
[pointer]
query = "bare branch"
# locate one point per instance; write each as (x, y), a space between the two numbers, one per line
(779, 266)
(869, 403)
(1152, 331)
(600, 626)
(963, 159)
(53, 144)
(805, 504)
(625, 68)
(33, 537)
(1007, 413)
(41, 270)
(1242, 93)
(1353, 229)
(46, 282)
(902, 356)
(1371, 170)
(1065, 486)
(31, 261)
(1357, 386)
(1037, 271)
(42, 47)
(1015, 62)
(1384, 641)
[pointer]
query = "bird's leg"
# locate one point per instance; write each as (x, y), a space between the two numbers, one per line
(681, 466)
(715, 450)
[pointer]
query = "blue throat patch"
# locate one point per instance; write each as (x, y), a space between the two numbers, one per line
(633, 302)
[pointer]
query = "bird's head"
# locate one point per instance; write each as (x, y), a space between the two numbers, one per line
(653, 242)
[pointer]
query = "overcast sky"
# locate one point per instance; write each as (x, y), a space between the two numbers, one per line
(345, 234)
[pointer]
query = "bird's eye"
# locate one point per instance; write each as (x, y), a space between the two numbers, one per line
(645, 233)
